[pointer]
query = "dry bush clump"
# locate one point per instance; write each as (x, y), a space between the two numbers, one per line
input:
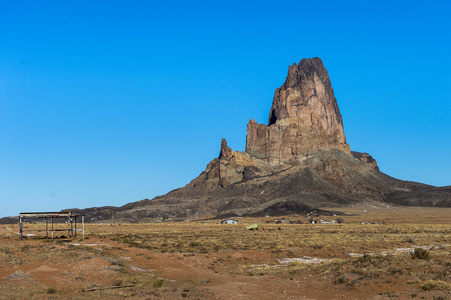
(436, 285)
(51, 290)
(421, 253)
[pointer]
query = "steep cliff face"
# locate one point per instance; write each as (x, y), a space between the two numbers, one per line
(304, 118)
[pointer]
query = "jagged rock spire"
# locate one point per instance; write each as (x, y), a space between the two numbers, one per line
(225, 152)
(303, 119)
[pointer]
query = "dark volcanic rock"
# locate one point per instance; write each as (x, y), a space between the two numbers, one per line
(290, 207)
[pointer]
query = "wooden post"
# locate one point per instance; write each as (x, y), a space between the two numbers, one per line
(20, 227)
(46, 227)
(75, 233)
(83, 223)
(71, 229)
(52, 227)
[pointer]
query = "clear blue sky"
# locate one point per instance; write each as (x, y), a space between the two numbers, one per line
(110, 102)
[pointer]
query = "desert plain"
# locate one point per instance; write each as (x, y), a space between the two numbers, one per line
(377, 251)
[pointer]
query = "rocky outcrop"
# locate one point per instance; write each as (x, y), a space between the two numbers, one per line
(300, 156)
(230, 167)
(304, 118)
(298, 162)
(366, 158)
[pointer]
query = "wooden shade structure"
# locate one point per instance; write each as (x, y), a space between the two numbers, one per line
(70, 217)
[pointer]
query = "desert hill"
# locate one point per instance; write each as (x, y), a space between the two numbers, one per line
(298, 162)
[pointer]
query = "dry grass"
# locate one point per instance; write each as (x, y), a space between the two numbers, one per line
(436, 285)
(339, 238)
(403, 260)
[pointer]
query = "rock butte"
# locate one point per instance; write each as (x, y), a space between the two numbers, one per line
(297, 163)
(304, 119)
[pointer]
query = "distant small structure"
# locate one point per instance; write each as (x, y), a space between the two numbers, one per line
(282, 221)
(229, 221)
(327, 222)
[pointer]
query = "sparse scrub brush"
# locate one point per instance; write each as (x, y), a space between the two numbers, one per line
(117, 282)
(421, 253)
(158, 283)
(365, 259)
(51, 290)
(436, 285)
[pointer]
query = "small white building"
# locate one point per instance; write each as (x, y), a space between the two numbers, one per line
(229, 221)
